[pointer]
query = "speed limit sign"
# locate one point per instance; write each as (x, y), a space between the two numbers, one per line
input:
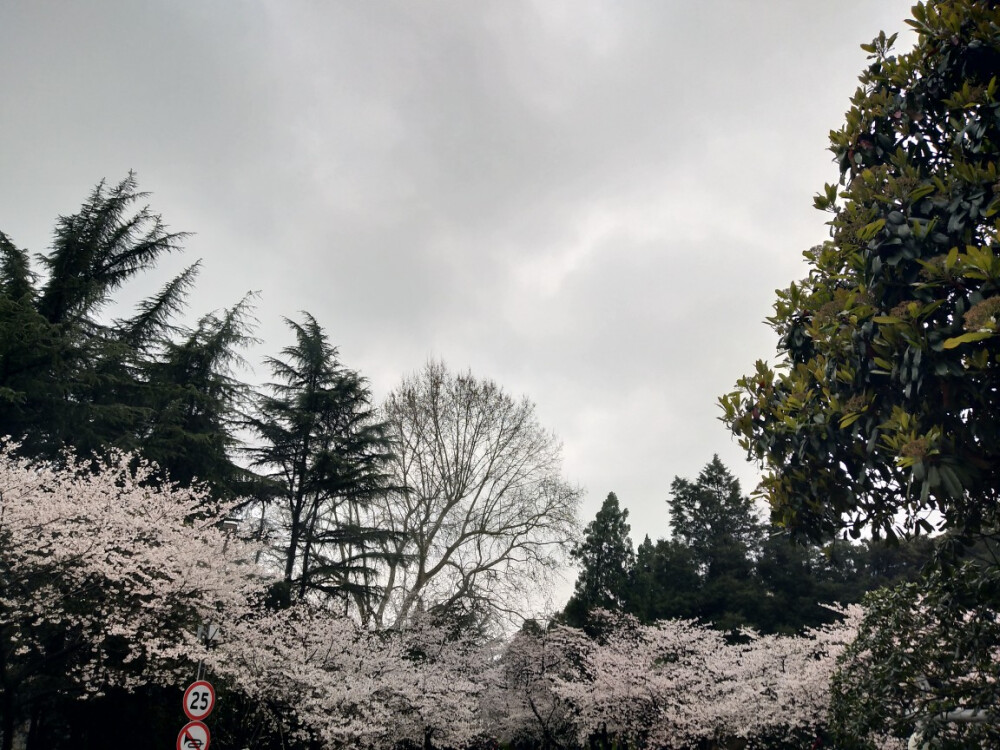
(199, 700)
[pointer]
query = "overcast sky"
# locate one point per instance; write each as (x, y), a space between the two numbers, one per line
(589, 202)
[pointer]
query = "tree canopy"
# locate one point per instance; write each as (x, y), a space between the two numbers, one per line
(885, 402)
(481, 511)
(882, 413)
(326, 456)
(66, 372)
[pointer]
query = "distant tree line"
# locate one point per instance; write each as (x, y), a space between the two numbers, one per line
(724, 566)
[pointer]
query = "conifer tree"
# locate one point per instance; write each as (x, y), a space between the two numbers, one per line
(196, 402)
(606, 558)
(664, 582)
(718, 525)
(714, 518)
(325, 453)
(66, 372)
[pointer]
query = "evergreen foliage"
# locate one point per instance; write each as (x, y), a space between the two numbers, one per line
(325, 454)
(664, 582)
(73, 377)
(196, 402)
(718, 524)
(724, 566)
(606, 558)
(67, 374)
(887, 397)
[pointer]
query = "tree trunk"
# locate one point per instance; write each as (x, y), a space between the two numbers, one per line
(7, 726)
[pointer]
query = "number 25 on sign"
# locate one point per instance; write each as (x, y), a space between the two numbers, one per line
(199, 700)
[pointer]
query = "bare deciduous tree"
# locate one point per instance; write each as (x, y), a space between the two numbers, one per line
(486, 516)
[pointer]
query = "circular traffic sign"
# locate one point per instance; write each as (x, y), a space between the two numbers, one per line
(194, 736)
(199, 700)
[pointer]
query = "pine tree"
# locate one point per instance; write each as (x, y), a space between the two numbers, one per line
(325, 453)
(606, 558)
(719, 525)
(66, 373)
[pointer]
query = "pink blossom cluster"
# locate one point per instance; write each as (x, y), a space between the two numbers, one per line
(323, 678)
(671, 684)
(107, 576)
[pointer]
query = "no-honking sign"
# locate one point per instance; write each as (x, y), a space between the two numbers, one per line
(194, 736)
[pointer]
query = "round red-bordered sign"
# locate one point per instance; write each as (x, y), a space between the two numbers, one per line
(199, 700)
(194, 736)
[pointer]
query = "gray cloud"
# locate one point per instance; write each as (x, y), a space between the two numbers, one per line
(591, 202)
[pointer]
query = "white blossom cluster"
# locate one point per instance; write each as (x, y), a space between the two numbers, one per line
(106, 577)
(674, 683)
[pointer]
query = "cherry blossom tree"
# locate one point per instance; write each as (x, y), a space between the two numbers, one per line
(316, 676)
(778, 687)
(521, 702)
(440, 684)
(104, 579)
(677, 683)
(322, 679)
(652, 684)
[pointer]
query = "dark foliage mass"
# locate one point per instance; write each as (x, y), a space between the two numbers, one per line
(73, 376)
(723, 565)
(883, 414)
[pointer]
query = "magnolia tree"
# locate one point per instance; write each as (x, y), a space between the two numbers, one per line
(882, 412)
(932, 655)
(104, 579)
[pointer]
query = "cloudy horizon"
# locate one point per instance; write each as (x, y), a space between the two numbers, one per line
(589, 202)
